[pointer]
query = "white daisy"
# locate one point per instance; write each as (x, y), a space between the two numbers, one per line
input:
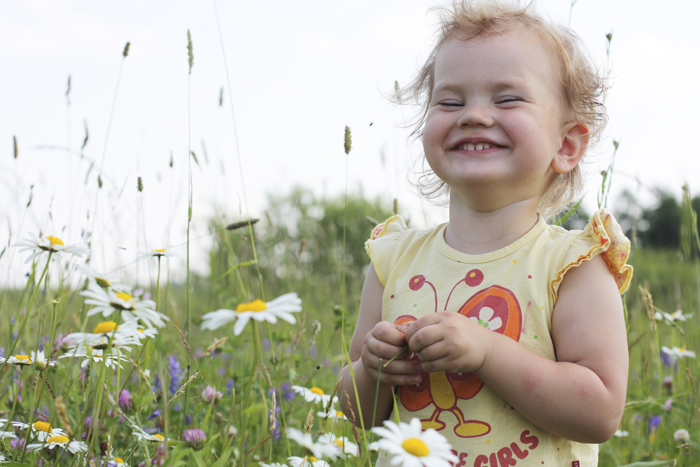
(19, 360)
(142, 435)
(116, 462)
(40, 361)
(487, 320)
(42, 430)
(6, 434)
(61, 441)
(103, 280)
(343, 445)
(95, 350)
(314, 395)
(131, 308)
(39, 245)
(282, 307)
(332, 414)
(308, 461)
(317, 449)
(409, 446)
(671, 317)
(159, 253)
(274, 464)
(677, 352)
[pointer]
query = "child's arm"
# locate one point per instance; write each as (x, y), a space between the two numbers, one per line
(580, 396)
(374, 339)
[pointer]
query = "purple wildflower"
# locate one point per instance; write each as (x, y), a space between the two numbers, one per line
(126, 403)
(313, 351)
(654, 423)
(668, 405)
(195, 438)
(266, 344)
(18, 443)
(154, 415)
(229, 386)
(287, 391)
(176, 374)
(211, 395)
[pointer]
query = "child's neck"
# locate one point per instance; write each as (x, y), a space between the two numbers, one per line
(474, 232)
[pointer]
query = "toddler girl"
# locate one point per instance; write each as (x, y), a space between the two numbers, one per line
(517, 351)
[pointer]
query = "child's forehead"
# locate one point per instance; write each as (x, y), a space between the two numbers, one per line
(520, 44)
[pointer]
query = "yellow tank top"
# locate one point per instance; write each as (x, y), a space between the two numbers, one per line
(511, 291)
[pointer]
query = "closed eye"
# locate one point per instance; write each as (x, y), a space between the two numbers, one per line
(508, 99)
(450, 104)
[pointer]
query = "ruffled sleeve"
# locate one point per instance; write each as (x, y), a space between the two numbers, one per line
(602, 236)
(382, 244)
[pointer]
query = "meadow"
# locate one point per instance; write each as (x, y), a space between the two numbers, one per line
(100, 368)
(224, 399)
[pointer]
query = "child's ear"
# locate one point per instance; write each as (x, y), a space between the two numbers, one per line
(573, 146)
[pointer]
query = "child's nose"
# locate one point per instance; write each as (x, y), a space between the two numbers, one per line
(475, 114)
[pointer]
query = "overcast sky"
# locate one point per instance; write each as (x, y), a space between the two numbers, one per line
(299, 72)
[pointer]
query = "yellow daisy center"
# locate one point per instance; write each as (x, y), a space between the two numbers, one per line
(158, 437)
(124, 296)
(42, 426)
(57, 439)
(310, 458)
(339, 414)
(118, 460)
(54, 240)
(316, 390)
(416, 447)
(338, 442)
(105, 327)
(23, 358)
(160, 251)
(255, 306)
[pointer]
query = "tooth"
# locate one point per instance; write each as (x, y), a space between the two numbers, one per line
(487, 146)
(470, 147)
(479, 147)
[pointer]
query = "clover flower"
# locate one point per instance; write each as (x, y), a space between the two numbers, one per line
(211, 395)
(282, 307)
(681, 436)
(108, 301)
(314, 395)
(195, 438)
(50, 244)
(126, 402)
(411, 447)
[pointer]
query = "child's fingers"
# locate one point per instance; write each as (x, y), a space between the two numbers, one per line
(425, 321)
(387, 332)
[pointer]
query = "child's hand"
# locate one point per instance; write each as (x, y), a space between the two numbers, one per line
(384, 342)
(447, 341)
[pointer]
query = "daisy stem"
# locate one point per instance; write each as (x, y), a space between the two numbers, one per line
(53, 331)
(376, 391)
(14, 406)
(27, 313)
(38, 389)
(394, 357)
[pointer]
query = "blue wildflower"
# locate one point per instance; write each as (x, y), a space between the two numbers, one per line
(654, 423)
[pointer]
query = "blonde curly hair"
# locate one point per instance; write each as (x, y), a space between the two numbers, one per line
(583, 84)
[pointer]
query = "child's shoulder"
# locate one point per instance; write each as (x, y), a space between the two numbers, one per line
(601, 236)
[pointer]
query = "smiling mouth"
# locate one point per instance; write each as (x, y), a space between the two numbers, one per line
(475, 147)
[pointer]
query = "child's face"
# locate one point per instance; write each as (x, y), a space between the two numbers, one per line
(496, 118)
